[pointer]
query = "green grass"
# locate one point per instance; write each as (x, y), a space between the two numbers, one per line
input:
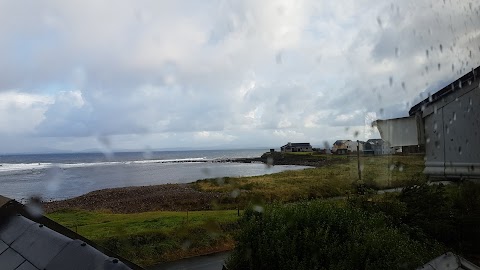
(336, 179)
(152, 237)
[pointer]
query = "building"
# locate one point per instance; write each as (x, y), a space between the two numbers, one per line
(296, 147)
(343, 147)
(34, 242)
(378, 147)
(447, 126)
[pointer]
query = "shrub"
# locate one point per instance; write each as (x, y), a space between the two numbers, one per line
(321, 235)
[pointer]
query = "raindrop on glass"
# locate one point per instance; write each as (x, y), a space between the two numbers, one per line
(34, 207)
(400, 168)
(441, 48)
(390, 80)
(235, 193)
(439, 66)
(258, 208)
(403, 85)
(454, 116)
(426, 53)
(396, 52)
(459, 150)
(206, 171)
(379, 21)
(437, 144)
(391, 167)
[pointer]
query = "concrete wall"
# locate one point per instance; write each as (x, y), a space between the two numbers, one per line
(452, 135)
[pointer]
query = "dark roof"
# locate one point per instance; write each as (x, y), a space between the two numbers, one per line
(37, 243)
(296, 145)
(447, 90)
(375, 141)
(300, 144)
(340, 142)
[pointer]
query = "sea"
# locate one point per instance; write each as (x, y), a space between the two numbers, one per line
(62, 176)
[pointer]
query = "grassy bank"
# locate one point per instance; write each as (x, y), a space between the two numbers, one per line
(336, 179)
(152, 237)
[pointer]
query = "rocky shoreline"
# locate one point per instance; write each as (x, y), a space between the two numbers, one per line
(169, 197)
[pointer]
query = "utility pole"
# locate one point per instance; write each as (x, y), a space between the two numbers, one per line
(358, 160)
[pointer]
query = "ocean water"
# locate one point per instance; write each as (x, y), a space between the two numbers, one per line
(61, 176)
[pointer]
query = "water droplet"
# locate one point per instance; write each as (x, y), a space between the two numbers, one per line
(235, 193)
(381, 111)
(459, 150)
(400, 168)
(439, 66)
(454, 116)
(391, 167)
(362, 167)
(390, 80)
(467, 142)
(220, 181)
(470, 101)
(278, 58)
(435, 109)
(430, 98)
(437, 144)
(403, 85)
(355, 134)
(441, 48)
(453, 67)
(396, 52)
(435, 125)
(186, 244)
(258, 208)
(269, 162)
(447, 129)
(379, 21)
(34, 207)
(426, 53)
(206, 171)
(428, 140)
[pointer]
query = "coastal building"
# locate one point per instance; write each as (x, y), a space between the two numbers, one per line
(31, 241)
(296, 147)
(378, 147)
(343, 147)
(447, 126)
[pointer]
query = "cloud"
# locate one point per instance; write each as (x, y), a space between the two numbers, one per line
(247, 73)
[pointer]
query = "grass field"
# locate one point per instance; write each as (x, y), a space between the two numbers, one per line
(152, 237)
(336, 179)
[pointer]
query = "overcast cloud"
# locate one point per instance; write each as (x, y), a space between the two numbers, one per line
(78, 75)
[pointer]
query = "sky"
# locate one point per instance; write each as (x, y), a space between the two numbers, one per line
(134, 75)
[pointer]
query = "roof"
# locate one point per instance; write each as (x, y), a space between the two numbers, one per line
(449, 261)
(340, 142)
(297, 145)
(31, 243)
(447, 90)
(375, 141)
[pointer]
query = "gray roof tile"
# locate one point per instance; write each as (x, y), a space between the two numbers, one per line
(3, 246)
(26, 266)
(77, 255)
(15, 226)
(10, 259)
(39, 245)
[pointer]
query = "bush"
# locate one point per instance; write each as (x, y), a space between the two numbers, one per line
(320, 235)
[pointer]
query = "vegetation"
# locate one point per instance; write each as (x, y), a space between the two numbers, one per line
(153, 237)
(321, 235)
(336, 179)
